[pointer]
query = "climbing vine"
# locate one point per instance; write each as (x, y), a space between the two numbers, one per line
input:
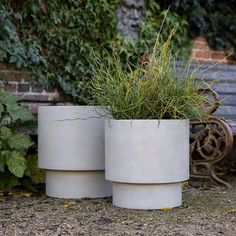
(213, 19)
(57, 39)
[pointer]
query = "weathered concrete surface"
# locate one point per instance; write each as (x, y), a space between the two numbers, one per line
(206, 211)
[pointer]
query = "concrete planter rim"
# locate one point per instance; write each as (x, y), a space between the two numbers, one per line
(146, 120)
(66, 106)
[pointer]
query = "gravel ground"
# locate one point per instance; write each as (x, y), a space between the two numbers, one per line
(206, 210)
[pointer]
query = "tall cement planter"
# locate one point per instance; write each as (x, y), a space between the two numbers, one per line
(71, 150)
(147, 160)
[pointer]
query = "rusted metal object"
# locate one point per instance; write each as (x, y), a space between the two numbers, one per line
(210, 143)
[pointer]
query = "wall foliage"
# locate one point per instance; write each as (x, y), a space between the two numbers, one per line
(57, 39)
(214, 19)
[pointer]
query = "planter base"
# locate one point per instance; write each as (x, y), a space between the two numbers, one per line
(147, 196)
(77, 184)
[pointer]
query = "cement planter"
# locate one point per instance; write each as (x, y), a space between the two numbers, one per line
(71, 150)
(147, 160)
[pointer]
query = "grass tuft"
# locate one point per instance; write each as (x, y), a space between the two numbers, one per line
(155, 89)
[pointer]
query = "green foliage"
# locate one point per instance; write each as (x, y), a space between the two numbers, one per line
(154, 90)
(13, 145)
(36, 175)
(214, 19)
(11, 111)
(67, 33)
(132, 51)
(11, 47)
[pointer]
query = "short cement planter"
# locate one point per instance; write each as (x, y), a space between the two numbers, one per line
(147, 160)
(71, 150)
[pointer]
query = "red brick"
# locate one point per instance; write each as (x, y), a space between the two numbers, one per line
(200, 39)
(28, 77)
(10, 75)
(34, 98)
(7, 66)
(200, 47)
(218, 55)
(232, 62)
(12, 87)
(16, 75)
(201, 55)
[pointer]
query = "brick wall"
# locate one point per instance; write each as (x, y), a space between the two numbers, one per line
(202, 52)
(23, 84)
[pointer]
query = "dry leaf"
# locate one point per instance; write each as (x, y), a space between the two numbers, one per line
(185, 184)
(21, 194)
(232, 210)
(68, 203)
(166, 209)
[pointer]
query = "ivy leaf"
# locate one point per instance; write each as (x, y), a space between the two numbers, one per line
(5, 133)
(19, 142)
(6, 154)
(13, 59)
(1, 109)
(16, 164)
(2, 163)
(3, 55)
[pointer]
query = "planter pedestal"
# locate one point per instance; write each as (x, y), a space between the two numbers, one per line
(147, 196)
(71, 150)
(147, 160)
(77, 184)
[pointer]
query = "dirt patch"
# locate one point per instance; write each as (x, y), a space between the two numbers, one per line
(206, 210)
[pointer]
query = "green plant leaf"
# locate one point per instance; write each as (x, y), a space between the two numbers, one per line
(8, 99)
(1, 109)
(3, 55)
(16, 163)
(36, 174)
(19, 142)
(16, 111)
(12, 182)
(5, 133)
(2, 163)
(20, 113)
(6, 154)
(8, 181)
